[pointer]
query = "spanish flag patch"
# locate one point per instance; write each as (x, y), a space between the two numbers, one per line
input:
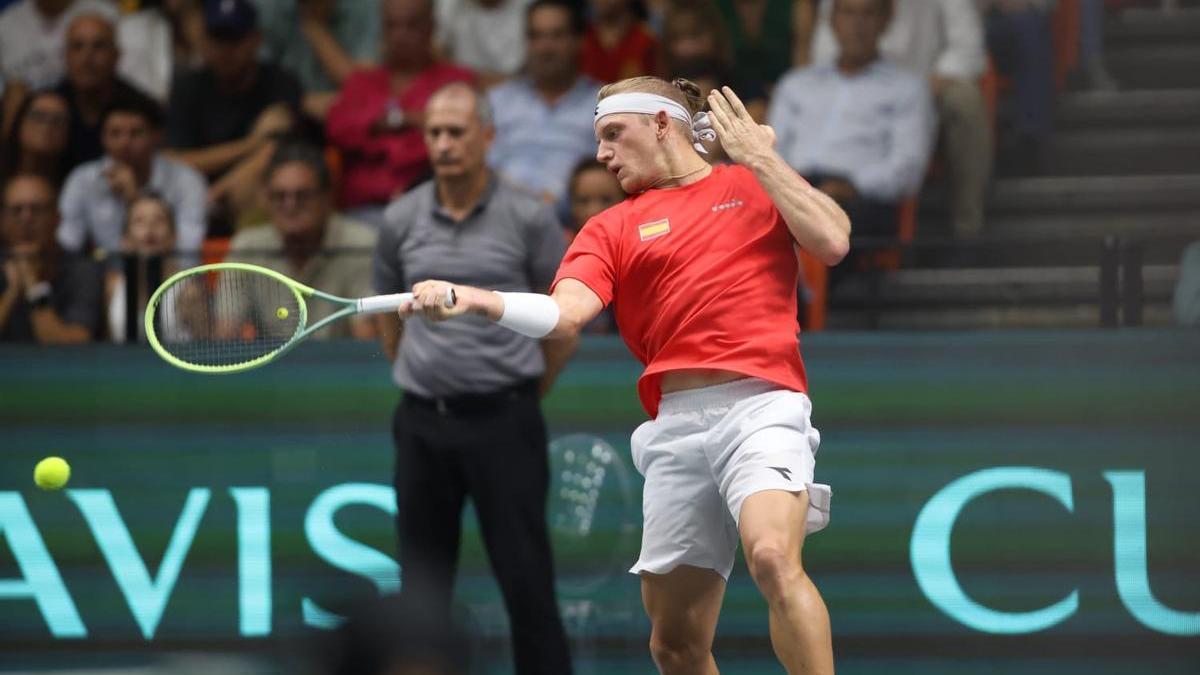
(654, 230)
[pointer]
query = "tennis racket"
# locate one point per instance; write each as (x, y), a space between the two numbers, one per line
(231, 317)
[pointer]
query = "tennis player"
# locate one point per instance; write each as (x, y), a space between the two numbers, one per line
(700, 265)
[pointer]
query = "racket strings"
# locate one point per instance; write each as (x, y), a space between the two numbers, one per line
(226, 317)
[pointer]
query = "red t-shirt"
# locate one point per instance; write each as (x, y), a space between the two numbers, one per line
(700, 276)
(376, 166)
(632, 56)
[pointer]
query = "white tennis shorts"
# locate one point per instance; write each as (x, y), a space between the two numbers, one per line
(710, 449)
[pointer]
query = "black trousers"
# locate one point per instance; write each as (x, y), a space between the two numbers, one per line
(492, 448)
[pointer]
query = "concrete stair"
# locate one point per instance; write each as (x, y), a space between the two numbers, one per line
(1123, 164)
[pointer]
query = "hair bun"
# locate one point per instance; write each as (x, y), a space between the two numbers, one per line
(692, 91)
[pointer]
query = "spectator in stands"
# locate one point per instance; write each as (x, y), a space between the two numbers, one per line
(307, 240)
(149, 233)
(544, 118)
(98, 194)
(617, 44)
(942, 42)
(32, 37)
(46, 294)
(593, 189)
(92, 84)
(1020, 41)
(858, 129)
(696, 45)
(1187, 292)
(37, 142)
(323, 42)
(487, 36)
(225, 118)
(762, 32)
(377, 118)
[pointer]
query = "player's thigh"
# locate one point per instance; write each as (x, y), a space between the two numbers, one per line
(773, 522)
(685, 520)
(683, 606)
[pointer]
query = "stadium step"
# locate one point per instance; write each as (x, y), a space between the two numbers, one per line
(1108, 152)
(1130, 110)
(1056, 194)
(1157, 66)
(1141, 26)
(989, 297)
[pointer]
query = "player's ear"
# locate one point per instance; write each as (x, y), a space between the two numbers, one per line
(662, 124)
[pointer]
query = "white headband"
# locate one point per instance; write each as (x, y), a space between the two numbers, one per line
(651, 104)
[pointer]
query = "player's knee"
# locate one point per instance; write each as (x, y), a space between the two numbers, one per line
(675, 652)
(774, 569)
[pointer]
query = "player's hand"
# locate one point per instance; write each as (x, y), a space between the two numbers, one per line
(742, 138)
(429, 300)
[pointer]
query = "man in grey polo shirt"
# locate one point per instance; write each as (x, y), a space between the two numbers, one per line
(470, 422)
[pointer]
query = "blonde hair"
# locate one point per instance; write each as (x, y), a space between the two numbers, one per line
(684, 92)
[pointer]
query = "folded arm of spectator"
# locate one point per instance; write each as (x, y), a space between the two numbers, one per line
(240, 183)
(911, 138)
(215, 159)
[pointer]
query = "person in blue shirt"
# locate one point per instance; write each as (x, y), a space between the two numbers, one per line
(544, 118)
(859, 129)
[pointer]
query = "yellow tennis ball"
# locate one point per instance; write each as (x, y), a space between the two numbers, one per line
(52, 473)
(282, 312)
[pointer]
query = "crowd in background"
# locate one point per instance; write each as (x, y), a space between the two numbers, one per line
(278, 131)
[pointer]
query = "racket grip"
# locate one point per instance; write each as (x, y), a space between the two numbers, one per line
(377, 304)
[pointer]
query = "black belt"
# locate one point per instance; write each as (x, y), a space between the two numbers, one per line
(474, 403)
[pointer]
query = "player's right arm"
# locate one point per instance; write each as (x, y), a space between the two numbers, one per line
(570, 307)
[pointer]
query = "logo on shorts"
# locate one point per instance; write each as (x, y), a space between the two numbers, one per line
(783, 471)
(654, 230)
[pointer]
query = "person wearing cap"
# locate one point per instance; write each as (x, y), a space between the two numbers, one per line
(700, 266)
(225, 117)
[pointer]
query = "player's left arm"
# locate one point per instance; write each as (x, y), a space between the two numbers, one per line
(816, 222)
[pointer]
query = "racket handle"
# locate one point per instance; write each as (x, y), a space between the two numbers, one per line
(376, 304)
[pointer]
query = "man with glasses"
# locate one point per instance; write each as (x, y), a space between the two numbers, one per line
(307, 241)
(46, 294)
